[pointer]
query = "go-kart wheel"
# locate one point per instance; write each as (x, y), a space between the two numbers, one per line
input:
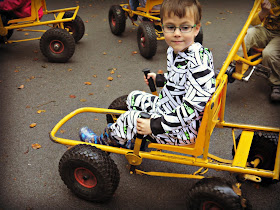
(57, 45)
(119, 104)
(199, 37)
(215, 193)
(76, 27)
(147, 40)
(5, 21)
(264, 147)
(117, 19)
(89, 173)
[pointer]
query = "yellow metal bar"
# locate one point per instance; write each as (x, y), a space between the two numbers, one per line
(21, 29)
(22, 40)
(163, 174)
(242, 152)
(15, 26)
(248, 127)
(221, 160)
(62, 10)
(277, 161)
(238, 42)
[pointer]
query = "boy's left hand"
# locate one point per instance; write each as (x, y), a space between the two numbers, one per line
(143, 126)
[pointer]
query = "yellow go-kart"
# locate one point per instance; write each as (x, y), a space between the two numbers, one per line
(149, 29)
(90, 173)
(58, 43)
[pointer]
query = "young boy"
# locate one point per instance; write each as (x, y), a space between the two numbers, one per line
(187, 86)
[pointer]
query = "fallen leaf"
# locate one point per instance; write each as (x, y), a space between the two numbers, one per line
(107, 85)
(83, 100)
(118, 76)
(44, 66)
(26, 34)
(27, 150)
(90, 94)
(72, 96)
(87, 83)
(94, 75)
(110, 78)
(21, 87)
(229, 44)
(86, 21)
(40, 111)
(96, 119)
(104, 53)
(223, 18)
(16, 70)
(208, 23)
(69, 69)
(27, 107)
(112, 72)
(32, 125)
(36, 146)
(120, 41)
(134, 52)
(90, 5)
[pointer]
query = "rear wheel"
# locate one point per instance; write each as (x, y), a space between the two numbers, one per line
(264, 147)
(147, 40)
(57, 45)
(76, 27)
(215, 193)
(117, 19)
(89, 173)
(119, 104)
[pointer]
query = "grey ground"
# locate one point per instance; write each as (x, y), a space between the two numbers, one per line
(30, 178)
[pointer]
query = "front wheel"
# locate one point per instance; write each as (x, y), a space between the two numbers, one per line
(147, 40)
(57, 45)
(119, 104)
(89, 173)
(215, 193)
(117, 19)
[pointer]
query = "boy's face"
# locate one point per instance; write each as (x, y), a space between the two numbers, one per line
(178, 40)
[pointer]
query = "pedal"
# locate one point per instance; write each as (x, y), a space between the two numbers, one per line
(263, 71)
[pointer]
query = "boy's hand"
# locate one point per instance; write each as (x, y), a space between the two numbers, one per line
(143, 126)
(150, 75)
(266, 6)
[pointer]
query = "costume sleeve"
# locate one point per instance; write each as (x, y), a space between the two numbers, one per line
(200, 85)
(160, 80)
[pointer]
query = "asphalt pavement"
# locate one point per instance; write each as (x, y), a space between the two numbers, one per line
(32, 90)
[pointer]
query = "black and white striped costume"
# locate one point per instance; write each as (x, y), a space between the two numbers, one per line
(177, 112)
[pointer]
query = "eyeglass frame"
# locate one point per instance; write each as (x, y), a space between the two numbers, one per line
(175, 27)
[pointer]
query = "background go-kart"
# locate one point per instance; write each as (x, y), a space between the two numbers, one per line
(28, 84)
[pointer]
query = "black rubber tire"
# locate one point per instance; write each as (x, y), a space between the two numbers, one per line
(62, 39)
(5, 21)
(199, 37)
(147, 40)
(117, 19)
(264, 146)
(119, 104)
(76, 26)
(209, 193)
(89, 173)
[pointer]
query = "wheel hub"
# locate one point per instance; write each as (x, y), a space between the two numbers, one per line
(57, 46)
(85, 177)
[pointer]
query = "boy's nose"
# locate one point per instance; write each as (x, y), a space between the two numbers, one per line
(177, 31)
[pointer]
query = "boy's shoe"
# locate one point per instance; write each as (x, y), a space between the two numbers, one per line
(87, 135)
(275, 93)
(106, 137)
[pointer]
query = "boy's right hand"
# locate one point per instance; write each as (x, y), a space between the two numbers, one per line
(150, 75)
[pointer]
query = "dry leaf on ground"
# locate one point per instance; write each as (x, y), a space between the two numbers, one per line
(32, 125)
(110, 78)
(21, 87)
(72, 96)
(36, 146)
(40, 111)
(87, 83)
(208, 23)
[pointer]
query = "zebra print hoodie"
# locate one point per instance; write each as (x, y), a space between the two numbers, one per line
(187, 87)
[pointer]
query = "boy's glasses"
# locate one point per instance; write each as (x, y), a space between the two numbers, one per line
(182, 28)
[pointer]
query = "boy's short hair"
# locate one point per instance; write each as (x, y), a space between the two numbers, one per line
(180, 8)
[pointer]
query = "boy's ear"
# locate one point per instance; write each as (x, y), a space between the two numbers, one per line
(197, 28)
